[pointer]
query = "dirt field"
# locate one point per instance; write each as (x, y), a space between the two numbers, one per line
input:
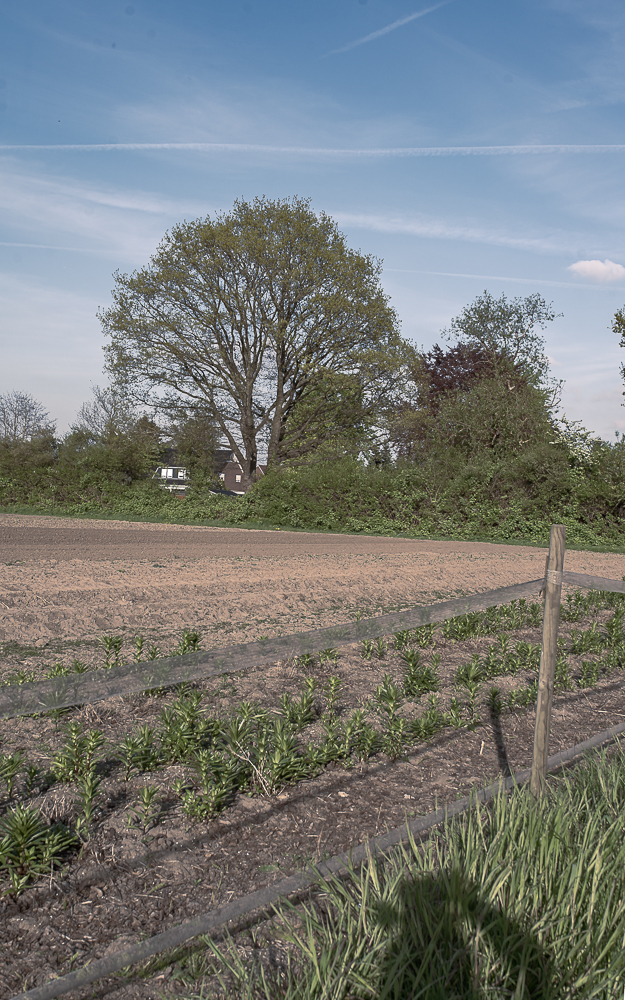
(64, 584)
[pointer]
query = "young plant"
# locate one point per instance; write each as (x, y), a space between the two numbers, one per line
(470, 676)
(300, 713)
(79, 753)
(333, 688)
(88, 788)
(402, 639)
(29, 847)
(590, 673)
(367, 649)
(10, 766)
(147, 812)
(424, 635)
(189, 643)
(138, 752)
(388, 699)
(139, 642)
(112, 647)
(419, 677)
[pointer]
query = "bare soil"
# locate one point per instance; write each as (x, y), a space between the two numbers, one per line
(65, 583)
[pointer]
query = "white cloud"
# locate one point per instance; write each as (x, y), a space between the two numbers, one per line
(602, 272)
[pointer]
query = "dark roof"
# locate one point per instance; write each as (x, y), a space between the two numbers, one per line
(221, 457)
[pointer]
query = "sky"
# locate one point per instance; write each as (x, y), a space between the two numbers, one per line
(468, 144)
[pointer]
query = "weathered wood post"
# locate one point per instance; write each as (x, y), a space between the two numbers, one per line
(549, 650)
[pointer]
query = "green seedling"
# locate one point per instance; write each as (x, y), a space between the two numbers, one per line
(402, 639)
(360, 736)
(396, 736)
(329, 655)
(590, 641)
(138, 752)
(79, 753)
(503, 644)
(112, 647)
(10, 766)
(138, 643)
(470, 676)
(189, 643)
(381, 647)
(306, 660)
(18, 677)
(88, 788)
(300, 712)
(590, 673)
(153, 653)
(388, 699)
(419, 678)
(562, 680)
(367, 649)
(453, 717)
(614, 629)
(29, 847)
(147, 812)
(32, 773)
(424, 635)
(185, 728)
(333, 688)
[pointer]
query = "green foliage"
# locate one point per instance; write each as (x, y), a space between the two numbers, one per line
(29, 847)
(513, 900)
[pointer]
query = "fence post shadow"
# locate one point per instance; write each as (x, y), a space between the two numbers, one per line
(500, 743)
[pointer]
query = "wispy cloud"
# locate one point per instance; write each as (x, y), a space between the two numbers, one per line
(495, 277)
(388, 28)
(325, 151)
(603, 272)
(435, 228)
(101, 218)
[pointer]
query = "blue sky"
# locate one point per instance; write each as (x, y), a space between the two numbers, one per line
(470, 144)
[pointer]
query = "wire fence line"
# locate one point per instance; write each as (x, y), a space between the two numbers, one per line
(93, 686)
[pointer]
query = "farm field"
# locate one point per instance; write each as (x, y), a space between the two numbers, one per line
(144, 866)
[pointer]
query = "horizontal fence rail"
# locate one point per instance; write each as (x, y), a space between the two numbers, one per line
(593, 582)
(300, 882)
(82, 689)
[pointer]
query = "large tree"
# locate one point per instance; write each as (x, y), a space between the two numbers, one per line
(248, 316)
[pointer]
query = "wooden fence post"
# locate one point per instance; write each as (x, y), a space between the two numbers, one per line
(549, 650)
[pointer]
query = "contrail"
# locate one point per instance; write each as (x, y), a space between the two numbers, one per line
(322, 151)
(389, 27)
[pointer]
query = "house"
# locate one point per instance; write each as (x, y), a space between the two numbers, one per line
(232, 475)
(173, 478)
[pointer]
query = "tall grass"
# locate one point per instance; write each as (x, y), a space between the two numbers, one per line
(522, 899)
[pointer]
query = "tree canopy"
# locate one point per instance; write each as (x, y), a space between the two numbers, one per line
(618, 327)
(490, 391)
(249, 317)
